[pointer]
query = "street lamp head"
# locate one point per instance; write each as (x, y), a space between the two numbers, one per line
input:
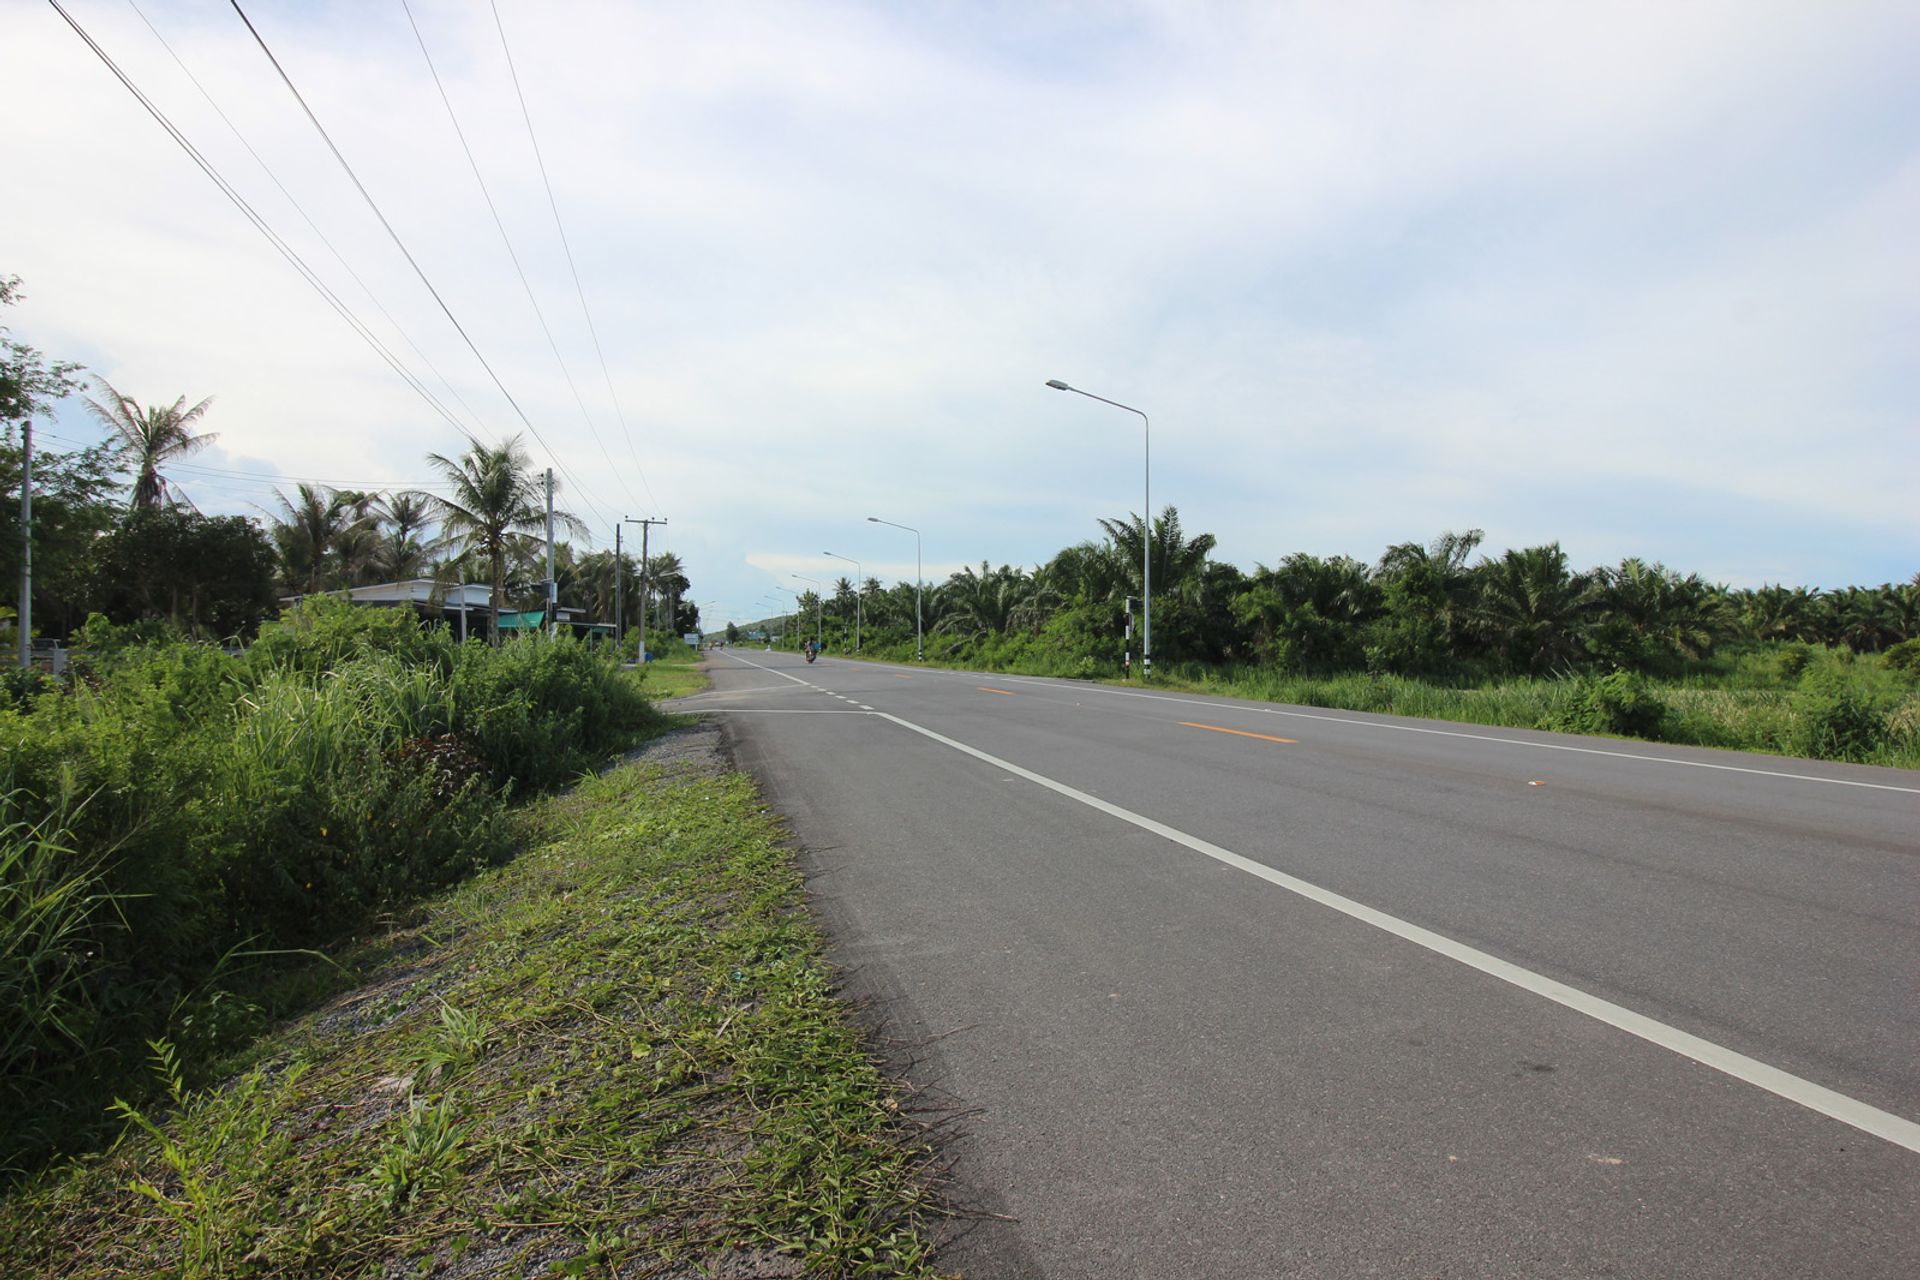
(873, 519)
(1058, 385)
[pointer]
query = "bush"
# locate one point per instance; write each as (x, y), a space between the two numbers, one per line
(1618, 703)
(1838, 721)
(349, 762)
(1792, 660)
(1903, 657)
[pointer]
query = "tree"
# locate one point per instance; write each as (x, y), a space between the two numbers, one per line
(210, 576)
(1529, 606)
(1176, 559)
(974, 606)
(310, 536)
(29, 384)
(75, 501)
(498, 508)
(1649, 617)
(72, 492)
(1309, 613)
(400, 553)
(150, 438)
(666, 579)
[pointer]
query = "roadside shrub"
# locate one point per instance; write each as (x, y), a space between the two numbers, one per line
(49, 898)
(1903, 725)
(1903, 657)
(321, 632)
(538, 711)
(348, 763)
(1837, 721)
(1618, 703)
(1792, 660)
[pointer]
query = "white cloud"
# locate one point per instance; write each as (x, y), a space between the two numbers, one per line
(1375, 270)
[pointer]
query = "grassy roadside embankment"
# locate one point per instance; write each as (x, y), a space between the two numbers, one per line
(675, 673)
(617, 1054)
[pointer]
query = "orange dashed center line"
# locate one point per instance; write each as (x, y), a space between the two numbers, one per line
(1005, 693)
(1241, 733)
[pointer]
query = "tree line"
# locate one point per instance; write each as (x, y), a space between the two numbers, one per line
(115, 535)
(1433, 610)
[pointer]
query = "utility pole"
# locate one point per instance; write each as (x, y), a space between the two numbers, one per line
(553, 588)
(646, 524)
(25, 620)
(619, 585)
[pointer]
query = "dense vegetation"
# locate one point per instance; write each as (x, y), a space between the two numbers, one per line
(1520, 638)
(617, 1054)
(172, 813)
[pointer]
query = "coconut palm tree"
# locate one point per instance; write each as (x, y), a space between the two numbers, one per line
(150, 438)
(308, 533)
(401, 553)
(497, 508)
(666, 578)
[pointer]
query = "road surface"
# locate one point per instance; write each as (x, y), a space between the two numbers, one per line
(1238, 989)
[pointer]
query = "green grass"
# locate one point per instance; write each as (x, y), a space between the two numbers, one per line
(618, 1054)
(675, 674)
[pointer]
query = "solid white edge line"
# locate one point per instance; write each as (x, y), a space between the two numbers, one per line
(774, 670)
(1851, 1111)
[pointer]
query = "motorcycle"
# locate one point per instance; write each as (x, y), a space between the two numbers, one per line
(809, 655)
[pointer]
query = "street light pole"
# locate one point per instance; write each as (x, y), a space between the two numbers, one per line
(919, 644)
(819, 627)
(1146, 526)
(858, 574)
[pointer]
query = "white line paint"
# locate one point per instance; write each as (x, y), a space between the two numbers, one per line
(1881, 1124)
(772, 711)
(1256, 709)
(771, 670)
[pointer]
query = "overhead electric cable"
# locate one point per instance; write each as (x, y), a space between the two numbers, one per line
(286, 251)
(311, 225)
(400, 244)
(553, 204)
(507, 240)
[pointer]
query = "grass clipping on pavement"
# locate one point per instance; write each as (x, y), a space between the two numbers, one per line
(618, 1055)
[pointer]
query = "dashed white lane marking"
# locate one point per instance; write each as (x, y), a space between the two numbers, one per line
(1881, 1124)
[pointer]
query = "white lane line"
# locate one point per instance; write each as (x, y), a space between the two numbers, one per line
(773, 670)
(771, 711)
(1232, 704)
(865, 707)
(1881, 1124)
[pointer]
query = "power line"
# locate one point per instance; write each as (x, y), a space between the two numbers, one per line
(202, 470)
(507, 240)
(299, 209)
(559, 226)
(285, 250)
(408, 255)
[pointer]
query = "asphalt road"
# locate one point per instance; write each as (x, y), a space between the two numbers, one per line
(1236, 989)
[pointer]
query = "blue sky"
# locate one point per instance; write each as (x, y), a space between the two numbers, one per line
(1640, 278)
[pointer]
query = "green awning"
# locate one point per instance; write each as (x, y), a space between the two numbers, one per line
(532, 620)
